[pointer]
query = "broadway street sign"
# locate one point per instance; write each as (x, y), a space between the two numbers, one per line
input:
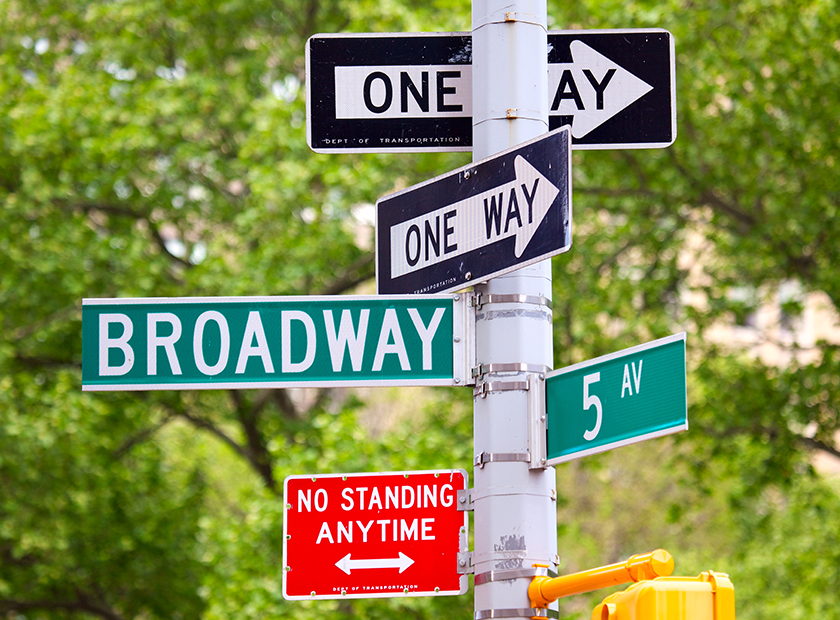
(487, 218)
(615, 400)
(263, 342)
(373, 535)
(413, 92)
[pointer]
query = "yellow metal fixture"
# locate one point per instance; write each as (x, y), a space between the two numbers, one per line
(545, 590)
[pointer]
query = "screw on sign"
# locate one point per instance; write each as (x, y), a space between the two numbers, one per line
(373, 535)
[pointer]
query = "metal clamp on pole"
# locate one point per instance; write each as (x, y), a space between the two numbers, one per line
(501, 457)
(480, 299)
(482, 388)
(516, 613)
(517, 573)
(484, 369)
(545, 590)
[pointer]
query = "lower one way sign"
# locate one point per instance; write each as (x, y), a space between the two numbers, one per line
(373, 535)
(488, 218)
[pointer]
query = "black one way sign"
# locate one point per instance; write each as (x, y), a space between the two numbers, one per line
(485, 219)
(413, 92)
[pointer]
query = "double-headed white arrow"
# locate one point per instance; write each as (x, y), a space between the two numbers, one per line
(592, 88)
(513, 209)
(402, 562)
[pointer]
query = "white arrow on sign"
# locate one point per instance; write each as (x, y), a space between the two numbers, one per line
(592, 88)
(402, 562)
(516, 208)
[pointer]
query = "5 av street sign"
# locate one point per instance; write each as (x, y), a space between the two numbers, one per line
(413, 92)
(262, 342)
(490, 217)
(373, 535)
(615, 400)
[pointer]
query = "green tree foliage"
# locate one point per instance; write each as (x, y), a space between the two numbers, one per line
(157, 148)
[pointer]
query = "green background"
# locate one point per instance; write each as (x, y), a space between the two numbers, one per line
(660, 403)
(236, 314)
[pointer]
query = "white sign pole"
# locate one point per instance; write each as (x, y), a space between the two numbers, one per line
(514, 498)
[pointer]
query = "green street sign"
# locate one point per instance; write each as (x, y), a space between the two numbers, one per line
(274, 342)
(617, 399)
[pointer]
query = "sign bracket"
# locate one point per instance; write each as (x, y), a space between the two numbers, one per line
(465, 500)
(537, 421)
(464, 337)
(465, 563)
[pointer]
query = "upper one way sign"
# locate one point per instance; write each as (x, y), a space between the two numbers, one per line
(413, 92)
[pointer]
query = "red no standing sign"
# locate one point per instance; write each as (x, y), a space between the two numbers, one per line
(373, 535)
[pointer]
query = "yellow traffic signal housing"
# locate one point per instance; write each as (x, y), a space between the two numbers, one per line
(709, 596)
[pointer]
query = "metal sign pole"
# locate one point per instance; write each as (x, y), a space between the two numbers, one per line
(514, 495)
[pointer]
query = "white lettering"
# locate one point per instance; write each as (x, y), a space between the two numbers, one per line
(364, 529)
(254, 328)
(374, 499)
(305, 500)
(408, 532)
(383, 523)
(198, 337)
(637, 380)
(107, 343)
(426, 528)
(392, 495)
(344, 494)
(447, 500)
(430, 496)
(390, 327)
(361, 491)
(323, 494)
(407, 503)
(346, 338)
(625, 384)
(153, 341)
(348, 531)
(324, 533)
(286, 318)
(426, 334)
